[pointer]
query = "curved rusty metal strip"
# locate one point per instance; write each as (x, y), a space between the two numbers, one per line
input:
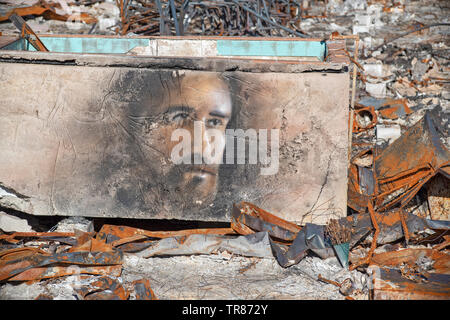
(247, 217)
(85, 258)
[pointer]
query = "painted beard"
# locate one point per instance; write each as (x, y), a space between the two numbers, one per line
(192, 186)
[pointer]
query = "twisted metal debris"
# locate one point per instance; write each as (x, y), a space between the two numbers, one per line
(214, 18)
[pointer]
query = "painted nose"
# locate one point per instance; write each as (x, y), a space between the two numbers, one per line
(202, 141)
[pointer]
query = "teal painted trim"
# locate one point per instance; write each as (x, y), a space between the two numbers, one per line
(91, 45)
(16, 45)
(271, 48)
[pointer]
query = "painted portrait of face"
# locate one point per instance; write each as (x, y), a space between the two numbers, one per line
(157, 106)
(102, 143)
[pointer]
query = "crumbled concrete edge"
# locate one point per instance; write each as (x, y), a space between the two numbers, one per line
(210, 64)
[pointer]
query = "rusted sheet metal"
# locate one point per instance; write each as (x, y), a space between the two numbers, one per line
(110, 288)
(262, 233)
(82, 236)
(408, 163)
(13, 267)
(394, 108)
(389, 224)
(443, 245)
(92, 245)
(309, 238)
(366, 180)
(387, 108)
(44, 296)
(135, 246)
(143, 290)
(389, 284)
(441, 260)
(401, 170)
(66, 237)
(113, 233)
(49, 13)
(438, 224)
(312, 238)
(19, 253)
(206, 241)
(392, 226)
(59, 271)
(246, 215)
(128, 240)
(103, 288)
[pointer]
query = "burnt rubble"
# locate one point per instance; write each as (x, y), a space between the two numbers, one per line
(393, 243)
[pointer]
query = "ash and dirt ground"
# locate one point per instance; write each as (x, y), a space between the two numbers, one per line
(205, 277)
(217, 276)
(418, 55)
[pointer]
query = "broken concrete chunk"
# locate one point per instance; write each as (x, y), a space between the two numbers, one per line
(74, 223)
(10, 223)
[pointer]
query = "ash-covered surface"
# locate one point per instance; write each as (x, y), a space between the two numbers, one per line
(209, 277)
(221, 275)
(398, 62)
(232, 277)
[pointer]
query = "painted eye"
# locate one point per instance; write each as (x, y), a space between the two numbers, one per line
(214, 122)
(180, 117)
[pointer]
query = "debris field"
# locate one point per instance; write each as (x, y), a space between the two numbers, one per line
(393, 241)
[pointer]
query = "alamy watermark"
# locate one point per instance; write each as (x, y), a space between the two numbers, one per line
(209, 145)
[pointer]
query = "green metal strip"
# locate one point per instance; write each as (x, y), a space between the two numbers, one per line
(91, 45)
(271, 48)
(16, 45)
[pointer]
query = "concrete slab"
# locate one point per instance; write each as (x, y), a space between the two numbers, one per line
(98, 140)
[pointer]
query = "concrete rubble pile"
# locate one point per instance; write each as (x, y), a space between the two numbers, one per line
(393, 243)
